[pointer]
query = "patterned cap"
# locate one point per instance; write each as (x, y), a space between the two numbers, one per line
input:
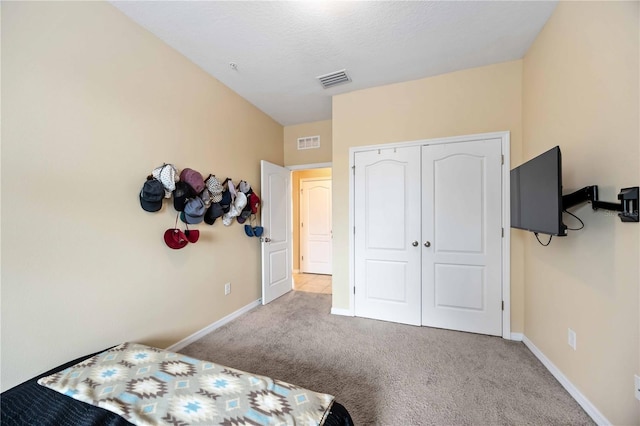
(168, 175)
(215, 188)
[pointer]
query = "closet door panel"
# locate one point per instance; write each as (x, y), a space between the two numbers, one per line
(387, 223)
(462, 226)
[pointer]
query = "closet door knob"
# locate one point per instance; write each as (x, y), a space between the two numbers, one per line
(415, 243)
(427, 244)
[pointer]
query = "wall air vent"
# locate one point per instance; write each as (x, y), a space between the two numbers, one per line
(334, 78)
(309, 142)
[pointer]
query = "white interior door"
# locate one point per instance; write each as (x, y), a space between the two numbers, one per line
(461, 236)
(276, 240)
(387, 233)
(315, 226)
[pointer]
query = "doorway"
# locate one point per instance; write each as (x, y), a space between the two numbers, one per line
(312, 269)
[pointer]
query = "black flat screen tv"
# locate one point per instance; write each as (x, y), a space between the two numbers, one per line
(536, 194)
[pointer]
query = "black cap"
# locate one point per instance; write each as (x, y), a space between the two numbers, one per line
(226, 200)
(213, 212)
(151, 195)
(244, 214)
(181, 195)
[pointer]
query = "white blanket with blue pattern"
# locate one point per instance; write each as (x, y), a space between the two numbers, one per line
(150, 386)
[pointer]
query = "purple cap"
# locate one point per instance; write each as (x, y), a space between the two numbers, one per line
(193, 178)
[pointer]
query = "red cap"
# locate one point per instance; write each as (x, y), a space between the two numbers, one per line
(175, 238)
(254, 202)
(192, 235)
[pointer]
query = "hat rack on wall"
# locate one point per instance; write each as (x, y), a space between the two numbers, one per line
(198, 200)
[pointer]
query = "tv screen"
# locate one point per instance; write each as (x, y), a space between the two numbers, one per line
(536, 194)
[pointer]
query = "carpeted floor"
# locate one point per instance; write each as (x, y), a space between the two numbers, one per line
(392, 374)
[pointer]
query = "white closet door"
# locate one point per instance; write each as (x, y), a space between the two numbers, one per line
(387, 232)
(461, 236)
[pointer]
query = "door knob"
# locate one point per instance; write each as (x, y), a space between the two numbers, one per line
(266, 239)
(427, 244)
(415, 244)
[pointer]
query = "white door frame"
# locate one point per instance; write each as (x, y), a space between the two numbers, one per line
(505, 138)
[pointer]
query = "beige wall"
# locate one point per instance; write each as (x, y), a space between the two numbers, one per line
(91, 104)
(293, 156)
(479, 100)
(580, 91)
(296, 177)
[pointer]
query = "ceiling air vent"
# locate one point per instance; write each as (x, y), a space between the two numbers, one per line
(334, 78)
(309, 142)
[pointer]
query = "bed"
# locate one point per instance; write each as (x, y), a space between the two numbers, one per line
(31, 403)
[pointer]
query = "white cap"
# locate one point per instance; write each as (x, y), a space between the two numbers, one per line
(235, 209)
(168, 175)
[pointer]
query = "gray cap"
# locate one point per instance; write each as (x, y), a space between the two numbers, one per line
(194, 211)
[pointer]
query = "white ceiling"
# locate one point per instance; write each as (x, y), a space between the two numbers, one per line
(281, 47)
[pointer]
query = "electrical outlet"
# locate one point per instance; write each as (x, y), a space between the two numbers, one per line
(227, 288)
(637, 387)
(571, 340)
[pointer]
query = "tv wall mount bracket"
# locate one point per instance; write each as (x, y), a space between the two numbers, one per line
(627, 207)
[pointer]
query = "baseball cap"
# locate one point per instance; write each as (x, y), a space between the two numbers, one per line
(151, 195)
(215, 188)
(181, 195)
(193, 178)
(175, 238)
(194, 211)
(225, 201)
(254, 202)
(213, 212)
(244, 214)
(167, 174)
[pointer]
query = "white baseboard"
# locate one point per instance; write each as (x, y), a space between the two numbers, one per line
(208, 329)
(591, 410)
(339, 311)
(517, 337)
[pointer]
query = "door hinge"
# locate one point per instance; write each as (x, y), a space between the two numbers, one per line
(354, 289)
(502, 159)
(354, 230)
(354, 169)
(503, 305)
(302, 225)
(502, 232)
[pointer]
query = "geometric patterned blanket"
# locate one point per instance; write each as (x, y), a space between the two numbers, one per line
(150, 386)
